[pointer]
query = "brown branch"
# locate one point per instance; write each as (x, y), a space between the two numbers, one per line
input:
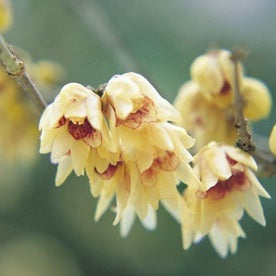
(245, 140)
(16, 69)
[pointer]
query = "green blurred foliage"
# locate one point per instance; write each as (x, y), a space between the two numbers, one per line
(46, 230)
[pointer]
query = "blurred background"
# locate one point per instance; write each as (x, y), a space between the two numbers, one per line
(46, 230)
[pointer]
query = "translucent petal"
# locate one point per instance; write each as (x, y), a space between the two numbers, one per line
(127, 220)
(241, 157)
(219, 240)
(61, 145)
(103, 204)
(94, 111)
(150, 220)
(218, 163)
(64, 169)
(79, 154)
(260, 189)
(252, 205)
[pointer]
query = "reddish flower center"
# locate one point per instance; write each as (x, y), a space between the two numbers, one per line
(62, 121)
(145, 114)
(79, 131)
(166, 162)
(109, 172)
(236, 181)
(225, 88)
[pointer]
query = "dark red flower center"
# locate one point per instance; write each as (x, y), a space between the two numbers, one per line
(79, 131)
(236, 181)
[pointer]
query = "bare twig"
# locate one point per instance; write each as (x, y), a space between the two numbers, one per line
(245, 140)
(16, 69)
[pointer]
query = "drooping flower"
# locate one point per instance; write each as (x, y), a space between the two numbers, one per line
(228, 187)
(207, 122)
(6, 17)
(135, 101)
(139, 185)
(71, 126)
(257, 99)
(214, 73)
(153, 155)
(272, 140)
(203, 119)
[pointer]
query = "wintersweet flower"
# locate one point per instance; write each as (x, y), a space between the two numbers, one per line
(203, 119)
(153, 156)
(214, 73)
(272, 140)
(257, 99)
(228, 187)
(135, 101)
(5, 15)
(71, 126)
(139, 184)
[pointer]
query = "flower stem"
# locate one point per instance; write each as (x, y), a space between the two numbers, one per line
(245, 140)
(16, 69)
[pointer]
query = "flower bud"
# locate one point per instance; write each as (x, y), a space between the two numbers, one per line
(257, 99)
(272, 140)
(214, 73)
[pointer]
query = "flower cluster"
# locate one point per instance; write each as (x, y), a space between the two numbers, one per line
(206, 102)
(125, 144)
(130, 143)
(228, 187)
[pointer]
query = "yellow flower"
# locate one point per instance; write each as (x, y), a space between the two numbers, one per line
(207, 122)
(203, 119)
(272, 140)
(228, 187)
(135, 101)
(71, 126)
(153, 157)
(5, 15)
(257, 99)
(150, 176)
(214, 73)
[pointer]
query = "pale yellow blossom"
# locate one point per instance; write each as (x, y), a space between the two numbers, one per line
(135, 101)
(214, 73)
(207, 122)
(203, 119)
(257, 99)
(228, 187)
(71, 126)
(272, 140)
(153, 157)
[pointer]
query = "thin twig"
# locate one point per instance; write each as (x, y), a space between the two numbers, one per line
(245, 140)
(16, 69)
